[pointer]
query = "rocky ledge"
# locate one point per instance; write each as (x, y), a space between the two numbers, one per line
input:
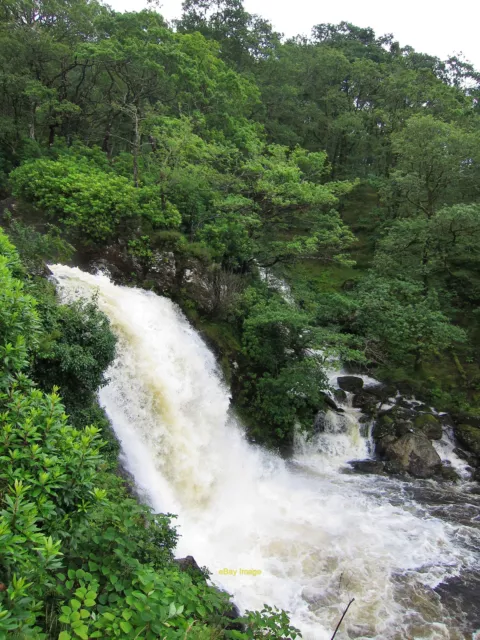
(404, 430)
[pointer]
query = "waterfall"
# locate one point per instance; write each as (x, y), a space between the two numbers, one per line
(318, 536)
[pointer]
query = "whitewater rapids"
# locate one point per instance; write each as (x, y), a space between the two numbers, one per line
(319, 537)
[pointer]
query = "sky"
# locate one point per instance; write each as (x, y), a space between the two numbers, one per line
(436, 27)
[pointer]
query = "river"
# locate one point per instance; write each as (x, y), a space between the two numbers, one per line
(313, 535)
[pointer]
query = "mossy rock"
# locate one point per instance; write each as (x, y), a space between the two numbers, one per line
(449, 474)
(429, 426)
(415, 454)
(384, 426)
(469, 437)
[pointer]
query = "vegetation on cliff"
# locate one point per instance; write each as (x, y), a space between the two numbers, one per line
(205, 160)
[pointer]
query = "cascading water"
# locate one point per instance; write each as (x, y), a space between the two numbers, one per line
(318, 536)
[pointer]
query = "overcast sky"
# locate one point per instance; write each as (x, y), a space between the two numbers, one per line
(437, 27)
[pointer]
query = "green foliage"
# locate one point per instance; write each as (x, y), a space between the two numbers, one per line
(19, 323)
(77, 346)
(402, 321)
(289, 399)
(88, 202)
(268, 623)
(36, 248)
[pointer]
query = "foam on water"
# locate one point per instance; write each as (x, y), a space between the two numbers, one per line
(319, 537)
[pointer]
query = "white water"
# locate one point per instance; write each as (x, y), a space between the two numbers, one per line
(318, 536)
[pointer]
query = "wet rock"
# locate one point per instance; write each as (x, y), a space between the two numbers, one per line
(384, 426)
(405, 389)
(368, 466)
(366, 402)
(353, 384)
(469, 457)
(190, 566)
(340, 396)
(429, 425)
(395, 468)
(331, 404)
(464, 418)
(469, 437)
(319, 422)
(415, 454)
(399, 412)
(382, 391)
(449, 473)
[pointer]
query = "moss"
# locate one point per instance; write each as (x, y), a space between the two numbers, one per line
(429, 425)
(384, 426)
(220, 337)
(469, 437)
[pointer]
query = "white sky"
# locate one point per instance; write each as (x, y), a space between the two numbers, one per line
(437, 27)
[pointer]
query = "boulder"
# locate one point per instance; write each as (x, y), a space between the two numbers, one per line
(368, 466)
(429, 425)
(384, 426)
(353, 384)
(469, 437)
(395, 468)
(331, 404)
(319, 422)
(366, 402)
(398, 412)
(464, 418)
(382, 391)
(190, 566)
(340, 396)
(414, 453)
(449, 473)
(405, 389)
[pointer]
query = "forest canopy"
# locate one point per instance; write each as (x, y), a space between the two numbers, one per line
(301, 199)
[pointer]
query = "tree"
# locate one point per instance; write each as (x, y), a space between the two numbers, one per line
(403, 324)
(243, 38)
(438, 163)
(90, 203)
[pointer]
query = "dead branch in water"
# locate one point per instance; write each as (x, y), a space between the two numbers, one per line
(341, 619)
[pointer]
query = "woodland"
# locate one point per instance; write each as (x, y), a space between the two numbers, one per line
(301, 199)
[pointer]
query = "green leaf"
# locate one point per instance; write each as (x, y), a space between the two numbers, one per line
(75, 604)
(64, 635)
(82, 632)
(126, 626)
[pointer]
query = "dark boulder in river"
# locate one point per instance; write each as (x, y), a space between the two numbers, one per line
(353, 384)
(366, 402)
(368, 466)
(415, 454)
(469, 437)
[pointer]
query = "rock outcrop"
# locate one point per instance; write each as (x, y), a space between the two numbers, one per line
(469, 437)
(352, 384)
(413, 453)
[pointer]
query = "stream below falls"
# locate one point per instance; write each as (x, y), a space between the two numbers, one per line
(408, 552)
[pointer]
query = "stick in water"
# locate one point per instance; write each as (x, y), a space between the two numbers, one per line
(341, 619)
